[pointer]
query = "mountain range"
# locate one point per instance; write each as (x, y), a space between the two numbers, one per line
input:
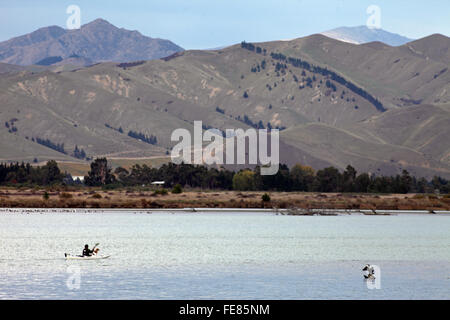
(94, 42)
(377, 107)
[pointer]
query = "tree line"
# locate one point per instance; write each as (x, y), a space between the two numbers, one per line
(136, 135)
(306, 179)
(50, 144)
(298, 63)
(143, 137)
(298, 178)
(24, 173)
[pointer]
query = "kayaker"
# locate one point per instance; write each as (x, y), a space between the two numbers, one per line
(86, 251)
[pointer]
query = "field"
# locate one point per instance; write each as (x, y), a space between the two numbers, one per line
(146, 198)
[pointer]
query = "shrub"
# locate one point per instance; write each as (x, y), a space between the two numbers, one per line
(46, 196)
(162, 192)
(265, 197)
(96, 196)
(177, 189)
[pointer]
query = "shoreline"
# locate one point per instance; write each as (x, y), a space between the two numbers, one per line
(296, 203)
(286, 212)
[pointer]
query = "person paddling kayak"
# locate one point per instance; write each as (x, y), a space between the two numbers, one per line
(87, 252)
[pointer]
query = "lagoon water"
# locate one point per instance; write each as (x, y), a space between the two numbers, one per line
(223, 256)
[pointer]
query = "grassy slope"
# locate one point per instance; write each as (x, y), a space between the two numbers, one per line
(390, 73)
(324, 129)
(344, 147)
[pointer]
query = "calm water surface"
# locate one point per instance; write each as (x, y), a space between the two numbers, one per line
(223, 256)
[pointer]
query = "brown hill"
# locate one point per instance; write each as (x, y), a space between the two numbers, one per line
(97, 41)
(382, 109)
(435, 47)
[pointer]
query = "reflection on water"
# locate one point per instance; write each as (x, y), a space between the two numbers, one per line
(224, 256)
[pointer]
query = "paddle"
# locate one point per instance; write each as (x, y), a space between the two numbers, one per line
(95, 246)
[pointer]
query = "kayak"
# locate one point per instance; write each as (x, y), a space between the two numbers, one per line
(96, 257)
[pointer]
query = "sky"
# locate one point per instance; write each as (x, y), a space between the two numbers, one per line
(204, 24)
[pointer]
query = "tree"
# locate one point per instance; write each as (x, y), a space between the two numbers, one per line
(405, 182)
(440, 184)
(280, 181)
(263, 64)
(302, 177)
(362, 183)
(384, 184)
(349, 178)
(79, 153)
(327, 180)
(422, 186)
(100, 173)
(244, 180)
(51, 173)
(121, 174)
